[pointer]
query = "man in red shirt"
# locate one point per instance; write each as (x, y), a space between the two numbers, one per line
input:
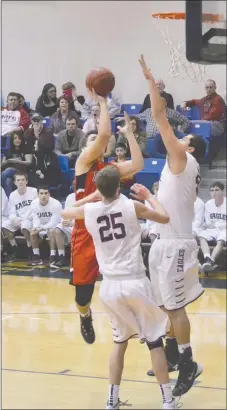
(212, 108)
(14, 118)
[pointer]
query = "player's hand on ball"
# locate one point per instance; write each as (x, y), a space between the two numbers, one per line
(146, 70)
(127, 127)
(96, 97)
(140, 192)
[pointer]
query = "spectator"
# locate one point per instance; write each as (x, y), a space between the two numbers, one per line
(47, 102)
(76, 102)
(212, 108)
(45, 169)
(168, 97)
(92, 122)
(63, 234)
(174, 117)
(126, 183)
(140, 137)
(19, 207)
(14, 118)
(113, 103)
(5, 216)
(199, 212)
(68, 141)
(17, 158)
(23, 104)
(215, 226)
(39, 131)
(58, 119)
(44, 216)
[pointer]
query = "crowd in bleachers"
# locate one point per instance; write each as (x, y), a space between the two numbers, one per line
(39, 148)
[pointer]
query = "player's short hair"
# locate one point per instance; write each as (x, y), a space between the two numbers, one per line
(12, 94)
(44, 187)
(199, 145)
(108, 181)
(20, 173)
(121, 145)
(218, 184)
(85, 138)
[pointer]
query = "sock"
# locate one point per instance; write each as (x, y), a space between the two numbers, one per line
(85, 314)
(113, 394)
(206, 255)
(84, 310)
(36, 251)
(182, 348)
(166, 392)
(13, 242)
(52, 252)
(61, 252)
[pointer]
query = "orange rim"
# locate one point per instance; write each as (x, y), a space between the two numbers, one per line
(206, 17)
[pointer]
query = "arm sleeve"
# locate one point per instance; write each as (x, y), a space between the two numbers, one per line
(146, 104)
(170, 101)
(143, 142)
(12, 210)
(181, 120)
(199, 216)
(114, 107)
(56, 217)
(190, 103)
(24, 120)
(215, 112)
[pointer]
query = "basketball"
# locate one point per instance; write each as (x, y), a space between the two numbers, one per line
(101, 80)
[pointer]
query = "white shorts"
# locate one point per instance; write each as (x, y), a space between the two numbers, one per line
(132, 310)
(67, 230)
(13, 227)
(173, 267)
(213, 234)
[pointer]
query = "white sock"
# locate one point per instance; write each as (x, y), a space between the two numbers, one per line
(182, 348)
(113, 394)
(166, 392)
(61, 252)
(206, 255)
(36, 251)
(52, 252)
(13, 242)
(86, 314)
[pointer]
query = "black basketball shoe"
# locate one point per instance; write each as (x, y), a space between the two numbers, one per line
(86, 327)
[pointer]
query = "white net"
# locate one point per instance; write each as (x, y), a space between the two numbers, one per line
(179, 65)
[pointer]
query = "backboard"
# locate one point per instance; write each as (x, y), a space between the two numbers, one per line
(206, 31)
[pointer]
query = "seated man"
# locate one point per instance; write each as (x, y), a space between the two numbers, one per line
(212, 108)
(199, 213)
(174, 117)
(14, 117)
(68, 141)
(19, 208)
(63, 234)
(113, 104)
(39, 131)
(92, 121)
(168, 97)
(215, 221)
(44, 216)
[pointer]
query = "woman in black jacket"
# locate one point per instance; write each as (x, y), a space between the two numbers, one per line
(47, 103)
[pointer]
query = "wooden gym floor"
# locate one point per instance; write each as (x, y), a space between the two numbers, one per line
(47, 365)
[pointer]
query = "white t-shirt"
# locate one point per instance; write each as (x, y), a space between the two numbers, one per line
(215, 216)
(116, 233)
(47, 216)
(177, 194)
(19, 205)
(5, 204)
(10, 120)
(69, 202)
(199, 214)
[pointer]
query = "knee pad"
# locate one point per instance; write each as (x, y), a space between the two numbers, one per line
(84, 294)
(154, 345)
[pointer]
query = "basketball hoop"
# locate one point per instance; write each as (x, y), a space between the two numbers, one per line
(179, 65)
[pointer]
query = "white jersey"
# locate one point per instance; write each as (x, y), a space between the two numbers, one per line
(19, 205)
(47, 216)
(177, 194)
(215, 216)
(199, 213)
(5, 204)
(116, 233)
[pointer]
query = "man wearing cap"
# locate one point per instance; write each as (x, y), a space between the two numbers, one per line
(40, 131)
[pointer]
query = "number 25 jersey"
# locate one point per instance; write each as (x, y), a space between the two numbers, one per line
(116, 234)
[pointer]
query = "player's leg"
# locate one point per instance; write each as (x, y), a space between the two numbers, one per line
(26, 229)
(83, 299)
(8, 230)
(206, 236)
(52, 244)
(116, 366)
(36, 259)
(62, 235)
(221, 240)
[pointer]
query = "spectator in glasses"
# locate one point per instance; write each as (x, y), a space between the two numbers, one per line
(39, 131)
(58, 119)
(47, 103)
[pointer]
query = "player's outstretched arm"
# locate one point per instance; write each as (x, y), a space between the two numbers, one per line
(136, 164)
(94, 197)
(157, 214)
(172, 144)
(93, 151)
(73, 213)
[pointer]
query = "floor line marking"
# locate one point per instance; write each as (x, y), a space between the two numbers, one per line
(101, 378)
(102, 313)
(7, 317)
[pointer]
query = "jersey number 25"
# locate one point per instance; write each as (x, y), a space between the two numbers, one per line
(111, 222)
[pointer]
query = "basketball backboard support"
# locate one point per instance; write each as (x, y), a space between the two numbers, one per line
(205, 31)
